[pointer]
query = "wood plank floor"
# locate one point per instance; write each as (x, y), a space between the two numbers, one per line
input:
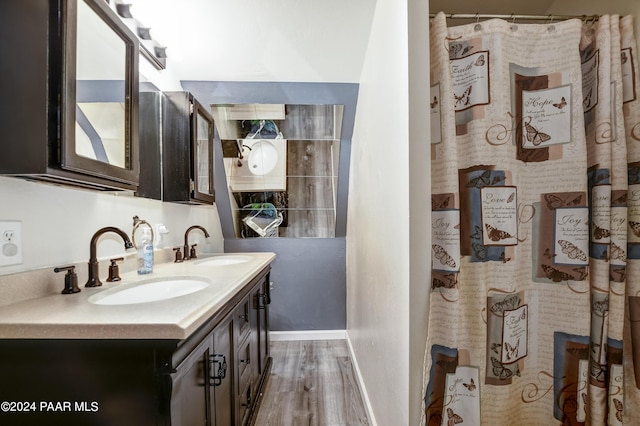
(312, 382)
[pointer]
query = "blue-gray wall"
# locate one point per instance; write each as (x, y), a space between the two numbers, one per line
(309, 281)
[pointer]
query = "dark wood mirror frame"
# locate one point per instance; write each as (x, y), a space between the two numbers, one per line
(70, 160)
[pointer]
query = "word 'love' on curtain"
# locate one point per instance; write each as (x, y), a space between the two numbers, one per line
(535, 302)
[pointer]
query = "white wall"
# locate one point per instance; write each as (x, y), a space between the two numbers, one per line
(419, 200)
(58, 222)
(590, 7)
(378, 244)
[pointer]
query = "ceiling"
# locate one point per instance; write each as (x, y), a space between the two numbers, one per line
(503, 7)
(249, 40)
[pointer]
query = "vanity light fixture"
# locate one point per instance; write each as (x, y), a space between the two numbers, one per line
(153, 51)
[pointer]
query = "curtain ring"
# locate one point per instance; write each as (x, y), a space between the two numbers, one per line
(513, 26)
(551, 27)
(477, 26)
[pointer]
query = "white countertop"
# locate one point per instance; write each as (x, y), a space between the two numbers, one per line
(72, 316)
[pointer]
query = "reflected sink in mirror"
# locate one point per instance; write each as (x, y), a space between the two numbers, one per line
(262, 158)
(149, 291)
(262, 166)
(223, 260)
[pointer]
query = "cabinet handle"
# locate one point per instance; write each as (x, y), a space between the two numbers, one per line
(244, 317)
(246, 361)
(262, 301)
(215, 379)
(247, 403)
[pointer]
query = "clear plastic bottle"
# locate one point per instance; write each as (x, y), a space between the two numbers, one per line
(145, 252)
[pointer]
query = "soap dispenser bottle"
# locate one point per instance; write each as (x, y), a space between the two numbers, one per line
(142, 236)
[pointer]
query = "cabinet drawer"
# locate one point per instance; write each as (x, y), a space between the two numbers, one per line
(244, 361)
(245, 402)
(242, 325)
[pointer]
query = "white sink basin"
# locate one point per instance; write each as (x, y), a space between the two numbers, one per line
(149, 291)
(224, 260)
(263, 158)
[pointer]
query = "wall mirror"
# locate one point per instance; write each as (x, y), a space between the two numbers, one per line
(201, 167)
(281, 164)
(293, 140)
(100, 90)
(203, 155)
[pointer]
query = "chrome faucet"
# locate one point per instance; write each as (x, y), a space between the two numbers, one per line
(94, 280)
(187, 254)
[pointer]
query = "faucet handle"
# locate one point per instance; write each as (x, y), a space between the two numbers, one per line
(70, 279)
(178, 258)
(114, 271)
(192, 252)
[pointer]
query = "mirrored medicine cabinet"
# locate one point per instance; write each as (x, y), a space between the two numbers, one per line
(176, 140)
(70, 94)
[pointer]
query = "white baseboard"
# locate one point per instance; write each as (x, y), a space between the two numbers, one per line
(308, 335)
(363, 390)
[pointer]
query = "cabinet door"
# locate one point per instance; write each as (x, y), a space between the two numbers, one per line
(187, 150)
(242, 323)
(100, 122)
(190, 396)
(222, 374)
(261, 299)
(245, 372)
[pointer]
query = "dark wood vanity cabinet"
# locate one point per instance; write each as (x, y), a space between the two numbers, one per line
(68, 110)
(213, 378)
(227, 369)
(247, 328)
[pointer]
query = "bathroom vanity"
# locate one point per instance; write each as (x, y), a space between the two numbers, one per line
(96, 358)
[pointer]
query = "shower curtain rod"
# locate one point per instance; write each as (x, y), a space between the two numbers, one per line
(514, 17)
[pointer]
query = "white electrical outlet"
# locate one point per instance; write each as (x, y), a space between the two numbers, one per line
(10, 242)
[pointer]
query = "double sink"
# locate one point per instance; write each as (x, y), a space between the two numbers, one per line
(163, 288)
(171, 303)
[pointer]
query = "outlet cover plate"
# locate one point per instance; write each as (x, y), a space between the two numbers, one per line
(10, 242)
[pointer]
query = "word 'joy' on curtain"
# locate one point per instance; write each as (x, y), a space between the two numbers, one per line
(535, 301)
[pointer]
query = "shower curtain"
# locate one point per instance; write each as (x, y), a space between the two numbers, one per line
(535, 302)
